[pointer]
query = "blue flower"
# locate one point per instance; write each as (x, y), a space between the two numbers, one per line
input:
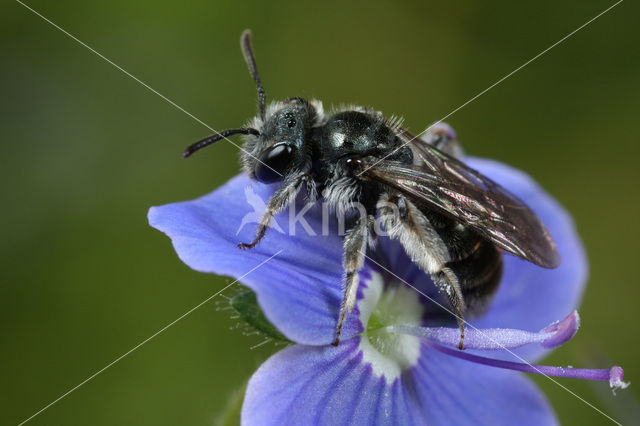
(397, 362)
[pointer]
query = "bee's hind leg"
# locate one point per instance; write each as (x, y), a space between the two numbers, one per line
(403, 221)
(447, 283)
(279, 200)
(355, 245)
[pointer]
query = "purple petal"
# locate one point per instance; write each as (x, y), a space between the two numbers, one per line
(494, 338)
(460, 392)
(326, 385)
(299, 289)
(315, 385)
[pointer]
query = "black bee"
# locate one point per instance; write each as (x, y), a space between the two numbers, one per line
(452, 221)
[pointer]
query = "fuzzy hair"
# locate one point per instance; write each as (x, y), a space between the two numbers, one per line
(394, 122)
(341, 193)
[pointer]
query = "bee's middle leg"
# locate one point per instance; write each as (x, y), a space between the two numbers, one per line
(355, 245)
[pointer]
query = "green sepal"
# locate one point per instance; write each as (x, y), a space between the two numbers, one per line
(246, 305)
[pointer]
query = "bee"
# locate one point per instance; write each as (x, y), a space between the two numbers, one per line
(452, 221)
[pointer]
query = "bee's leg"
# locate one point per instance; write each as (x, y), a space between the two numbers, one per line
(355, 244)
(443, 137)
(403, 221)
(447, 283)
(279, 200)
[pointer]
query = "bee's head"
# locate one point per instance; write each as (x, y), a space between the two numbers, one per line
(276, 140)
(282, 145)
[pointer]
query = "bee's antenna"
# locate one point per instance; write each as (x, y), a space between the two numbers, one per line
(215, 138)
(247, 51)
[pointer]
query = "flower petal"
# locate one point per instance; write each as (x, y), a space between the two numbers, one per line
(460, 392)
(314, 385)
(299, 289)
(494, 338)
(327, 385)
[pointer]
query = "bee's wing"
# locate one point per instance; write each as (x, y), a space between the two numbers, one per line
(448, 186)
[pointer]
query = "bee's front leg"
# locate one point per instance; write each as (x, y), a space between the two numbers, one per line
(279, 200)
(355, 245)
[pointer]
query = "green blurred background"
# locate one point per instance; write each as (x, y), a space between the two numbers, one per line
(86, 150)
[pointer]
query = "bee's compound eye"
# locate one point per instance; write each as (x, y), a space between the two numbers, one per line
(274, 163)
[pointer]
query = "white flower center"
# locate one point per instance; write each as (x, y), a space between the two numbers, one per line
(389, 354)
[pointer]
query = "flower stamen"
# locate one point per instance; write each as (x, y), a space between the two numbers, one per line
(554, 335)
(444, 340)
(613, 375)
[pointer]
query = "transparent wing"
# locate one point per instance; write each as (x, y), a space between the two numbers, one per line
(448, 186)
